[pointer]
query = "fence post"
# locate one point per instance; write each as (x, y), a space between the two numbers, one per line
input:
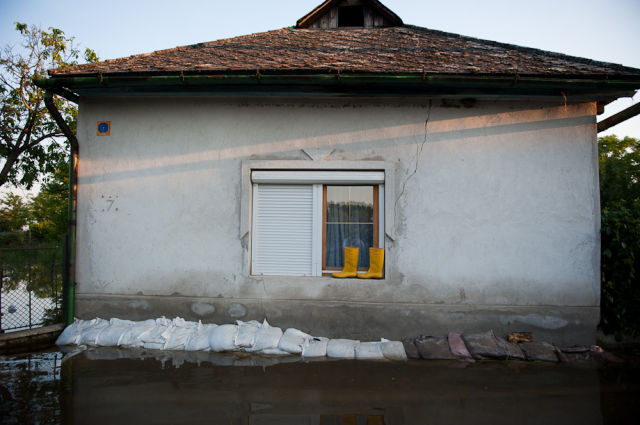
(29, 283)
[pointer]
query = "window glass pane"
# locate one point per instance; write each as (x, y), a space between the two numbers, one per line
(349, 222)
(337, 204)
(337, 239)
(341, 235)
(361, 235)
(361, 204)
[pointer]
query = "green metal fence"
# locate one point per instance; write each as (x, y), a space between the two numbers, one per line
(31, 287)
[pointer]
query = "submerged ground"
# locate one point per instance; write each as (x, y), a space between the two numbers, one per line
(109, 386)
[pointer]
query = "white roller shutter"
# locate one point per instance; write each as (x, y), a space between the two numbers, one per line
(321, 177)
(283, 230)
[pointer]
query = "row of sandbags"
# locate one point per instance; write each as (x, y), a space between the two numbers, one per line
(251, 337)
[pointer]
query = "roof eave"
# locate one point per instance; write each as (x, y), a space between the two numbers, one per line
(573, 88)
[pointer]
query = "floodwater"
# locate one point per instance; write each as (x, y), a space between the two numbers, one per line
(108, 386)
(19, 310)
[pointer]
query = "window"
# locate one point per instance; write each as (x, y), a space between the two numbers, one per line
(302, 220)
(349, 218)
(350, 16)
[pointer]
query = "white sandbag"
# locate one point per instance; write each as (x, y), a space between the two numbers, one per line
(368, 351)
(132, 336)
(178, 338)
(317, 347)
(110, 336)
(266, 337)
(293, 341)
(223, 338)
(178, 334)
(156, 337)
(246, 333)
(393, 350)
(199, 340)
(71, 334)
(342, 348)
(91, 331)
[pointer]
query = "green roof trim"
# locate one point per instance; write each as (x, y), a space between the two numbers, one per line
(336, 84)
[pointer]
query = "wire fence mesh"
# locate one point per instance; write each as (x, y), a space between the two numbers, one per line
(31, 283)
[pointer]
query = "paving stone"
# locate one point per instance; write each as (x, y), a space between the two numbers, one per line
(410, 349)
(485, 346)
(542, 351)
(457, 346)
(434, 348)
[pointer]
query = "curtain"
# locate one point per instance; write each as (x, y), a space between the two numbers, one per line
(349, 223)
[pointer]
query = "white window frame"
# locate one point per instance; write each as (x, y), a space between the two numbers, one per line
(317, 173)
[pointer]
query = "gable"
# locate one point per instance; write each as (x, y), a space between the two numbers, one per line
(349, 14)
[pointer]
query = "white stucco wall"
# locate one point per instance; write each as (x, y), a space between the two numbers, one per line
(497, 205)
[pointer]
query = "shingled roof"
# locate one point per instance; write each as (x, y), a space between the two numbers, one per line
(351, 48)
(395, 50)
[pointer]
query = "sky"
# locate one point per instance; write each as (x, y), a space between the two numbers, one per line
(602, 30)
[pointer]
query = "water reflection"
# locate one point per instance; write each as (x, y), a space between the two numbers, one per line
(30, 388)
(109, 386)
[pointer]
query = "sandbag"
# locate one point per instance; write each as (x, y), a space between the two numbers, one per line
(90, 333)
(110, 337)
(223, 338)
(457, 346)
(293, 341)
(156, 337)
(368, 351)
(178, 334)
(132, 336)
(267, 337)
(199, 339)
(317, 347)
(72, 333)
(342, 348)
(393, 350)
(246, 333)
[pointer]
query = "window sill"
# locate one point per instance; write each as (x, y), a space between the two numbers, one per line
(324, 278)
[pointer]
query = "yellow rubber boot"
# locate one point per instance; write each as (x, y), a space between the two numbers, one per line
(350, 263)
(376, 262)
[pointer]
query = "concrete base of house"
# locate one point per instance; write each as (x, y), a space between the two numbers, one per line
(30, 339)
(561, 325)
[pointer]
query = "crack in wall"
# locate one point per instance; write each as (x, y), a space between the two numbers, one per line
(419, 149)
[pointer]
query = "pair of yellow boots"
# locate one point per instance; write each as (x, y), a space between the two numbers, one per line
(376, 262)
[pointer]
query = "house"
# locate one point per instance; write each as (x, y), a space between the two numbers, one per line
(221, 181)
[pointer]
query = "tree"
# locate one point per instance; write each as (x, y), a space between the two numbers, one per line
(14, 213)
(39, 219)
(49, 208)
(15, 216)
(619, 162)
(31, 143)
